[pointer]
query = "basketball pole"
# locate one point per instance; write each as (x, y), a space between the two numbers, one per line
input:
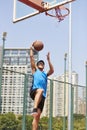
(70, 72)
(64, 118)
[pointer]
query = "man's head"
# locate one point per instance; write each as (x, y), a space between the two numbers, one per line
(40, 64)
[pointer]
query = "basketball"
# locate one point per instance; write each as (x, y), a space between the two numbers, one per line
(38, 45)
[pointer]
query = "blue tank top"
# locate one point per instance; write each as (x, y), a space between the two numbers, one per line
(40, 81)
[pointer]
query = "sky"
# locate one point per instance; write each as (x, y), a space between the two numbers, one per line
(54, 35)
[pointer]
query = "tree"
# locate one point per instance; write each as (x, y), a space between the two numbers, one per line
(8, 121)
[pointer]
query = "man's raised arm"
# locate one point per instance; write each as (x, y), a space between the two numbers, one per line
(51, 69)
(32, 61)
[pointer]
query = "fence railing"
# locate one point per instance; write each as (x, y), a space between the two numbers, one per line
(57, 104)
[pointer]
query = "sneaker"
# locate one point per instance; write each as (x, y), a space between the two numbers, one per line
(34, 112)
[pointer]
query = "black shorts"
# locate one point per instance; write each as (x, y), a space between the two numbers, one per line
(41, 104)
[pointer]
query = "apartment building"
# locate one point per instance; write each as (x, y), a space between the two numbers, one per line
(60, 95)
(16, 67)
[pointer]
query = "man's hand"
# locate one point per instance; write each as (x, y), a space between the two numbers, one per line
(32, 47)
(51, 69)
(48, 56)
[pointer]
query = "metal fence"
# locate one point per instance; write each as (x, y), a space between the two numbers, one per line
(58, 105)
(59, 98)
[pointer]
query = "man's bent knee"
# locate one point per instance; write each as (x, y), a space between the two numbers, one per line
(40, 91)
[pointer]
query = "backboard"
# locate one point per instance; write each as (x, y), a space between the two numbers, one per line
(23, 9)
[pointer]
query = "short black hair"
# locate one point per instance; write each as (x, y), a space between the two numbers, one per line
(40, 61)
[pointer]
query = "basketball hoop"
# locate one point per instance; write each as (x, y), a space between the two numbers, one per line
(57, 13)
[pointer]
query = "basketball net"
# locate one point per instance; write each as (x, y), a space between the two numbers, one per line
(58, 13)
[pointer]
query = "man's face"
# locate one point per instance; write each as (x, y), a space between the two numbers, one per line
(40, 65)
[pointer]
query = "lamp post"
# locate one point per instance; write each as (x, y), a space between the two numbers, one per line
(1, 65)
(64, 118)
(86, 95)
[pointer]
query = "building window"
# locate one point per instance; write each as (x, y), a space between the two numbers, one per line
(22, 61)
(14, 61)
(6, 60)
(6, 52)
(14, 52)
(22, 52)
(28, 60)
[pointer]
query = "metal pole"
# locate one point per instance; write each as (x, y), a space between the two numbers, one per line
(1, 66)
(86, 95)
(24, 103)
(51, 105)
(72, 104)
(64, 118)
(70, 71)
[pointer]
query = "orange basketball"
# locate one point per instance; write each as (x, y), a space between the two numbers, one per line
(38, 45)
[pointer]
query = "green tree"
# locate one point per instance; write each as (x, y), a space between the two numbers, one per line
(29, 120)
(8, 121)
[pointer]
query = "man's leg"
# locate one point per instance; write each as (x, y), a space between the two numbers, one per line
(37, 117)
(38, 97)
(36, 120)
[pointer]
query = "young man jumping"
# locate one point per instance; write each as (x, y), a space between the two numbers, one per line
(39, 86)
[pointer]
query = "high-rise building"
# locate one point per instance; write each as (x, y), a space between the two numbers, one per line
(60, 96)
(16, 64)
(82, 106)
